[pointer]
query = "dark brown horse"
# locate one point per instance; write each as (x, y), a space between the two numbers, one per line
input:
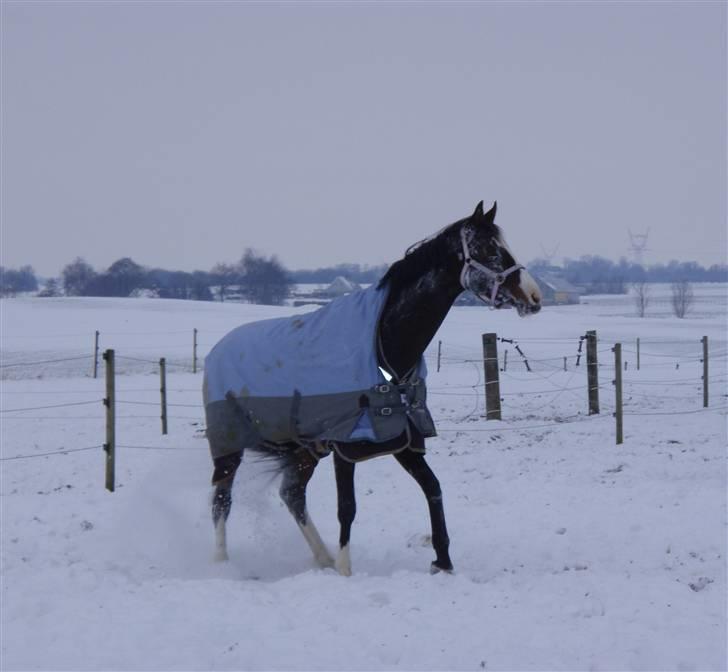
(471, 255)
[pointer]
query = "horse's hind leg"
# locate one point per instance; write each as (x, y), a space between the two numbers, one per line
(296, 476)
(416, 466)
(222, 479)
(346, 511)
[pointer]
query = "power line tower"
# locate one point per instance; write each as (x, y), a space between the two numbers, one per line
(638, 245)
(549, 253)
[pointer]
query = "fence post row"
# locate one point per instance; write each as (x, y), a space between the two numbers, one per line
(163, 391)
(592, 370)
(618, 390)
(96, 354)
(705, 371)
(194, 350)
(492, 383)
(110, 403)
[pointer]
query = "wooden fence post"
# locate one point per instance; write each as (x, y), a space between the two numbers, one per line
(638, 353)
(592, 370)
(194, 350)
(96, 354)
(492, 383)
(110, 403)
(439, 354)
(505, 360)
(618, 390)
(163, 391)
(705, 371)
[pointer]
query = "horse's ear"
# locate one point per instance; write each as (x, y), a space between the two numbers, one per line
(478, 214)
(490, 215)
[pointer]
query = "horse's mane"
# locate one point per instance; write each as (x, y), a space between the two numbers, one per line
(424, 254)
(427, 253)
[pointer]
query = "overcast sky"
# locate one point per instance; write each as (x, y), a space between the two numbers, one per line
(180, 133)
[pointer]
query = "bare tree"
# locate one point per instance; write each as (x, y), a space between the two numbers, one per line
(263, 280)
(51, 289)
(682, 297)
(226, 276)
(77, 277)
(641, 296)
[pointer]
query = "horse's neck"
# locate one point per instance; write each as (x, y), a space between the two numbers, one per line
(411, 317)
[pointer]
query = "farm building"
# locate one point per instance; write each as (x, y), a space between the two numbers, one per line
(339, 287)
(555, 289)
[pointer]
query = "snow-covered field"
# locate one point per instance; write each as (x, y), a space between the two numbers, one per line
(571, 552)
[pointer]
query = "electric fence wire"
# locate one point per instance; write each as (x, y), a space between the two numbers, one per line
(45, 361)
(61, 451)
(40, 408)
(566, 420)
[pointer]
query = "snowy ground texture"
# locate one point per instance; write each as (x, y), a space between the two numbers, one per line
(571, 552)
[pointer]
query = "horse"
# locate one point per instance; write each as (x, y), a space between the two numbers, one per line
(415, 295)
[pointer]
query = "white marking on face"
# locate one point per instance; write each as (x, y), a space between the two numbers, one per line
(527, 284)
(530, 288)
(502, 242)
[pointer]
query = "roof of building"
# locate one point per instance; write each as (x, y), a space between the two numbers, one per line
(555, 282)
(341, 285)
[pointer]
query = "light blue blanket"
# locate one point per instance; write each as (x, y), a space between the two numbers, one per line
(313, 376)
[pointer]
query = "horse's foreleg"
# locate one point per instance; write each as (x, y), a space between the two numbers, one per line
(222, 479)
(346, 511)
(416, 466)
(296, 476)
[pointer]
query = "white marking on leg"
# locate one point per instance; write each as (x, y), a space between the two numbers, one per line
(221, 554)
(312, 536)
(343, 561)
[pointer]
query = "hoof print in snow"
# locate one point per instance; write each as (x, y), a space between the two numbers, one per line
(702, 582)
(577, 567)
(420, 540)
(87, 525)
(561, 530)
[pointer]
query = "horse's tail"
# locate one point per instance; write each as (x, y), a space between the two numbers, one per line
(279, 457)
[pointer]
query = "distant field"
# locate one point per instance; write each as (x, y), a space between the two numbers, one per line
(710, 300)
(571, 552)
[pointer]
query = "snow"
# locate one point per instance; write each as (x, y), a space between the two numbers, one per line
(571, 552)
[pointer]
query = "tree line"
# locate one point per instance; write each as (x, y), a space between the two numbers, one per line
(354, 272)
(254, 278)
(597, 275)
(259, 279)
(14, 281)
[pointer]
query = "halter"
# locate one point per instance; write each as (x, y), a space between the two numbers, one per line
(469, 264)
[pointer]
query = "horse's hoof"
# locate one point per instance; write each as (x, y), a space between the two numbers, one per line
(436, 569)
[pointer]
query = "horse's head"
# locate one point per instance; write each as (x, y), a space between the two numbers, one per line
(490, 270)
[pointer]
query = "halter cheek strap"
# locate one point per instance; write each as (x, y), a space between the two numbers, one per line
(469, 264)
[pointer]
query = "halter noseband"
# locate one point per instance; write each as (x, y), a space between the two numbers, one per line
(469, 264)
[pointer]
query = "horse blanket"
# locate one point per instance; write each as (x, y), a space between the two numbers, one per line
(313, 377)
